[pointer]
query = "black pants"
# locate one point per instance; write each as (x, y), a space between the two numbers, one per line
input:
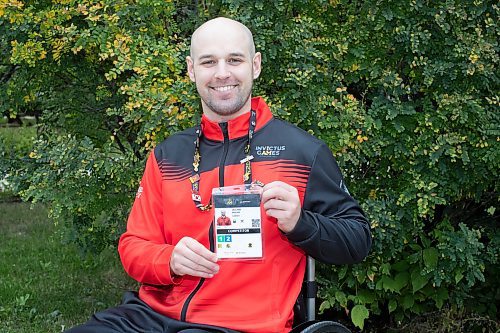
(135, 316)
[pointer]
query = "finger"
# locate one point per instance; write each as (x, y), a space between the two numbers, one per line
(186, 270)
(283, 216)
(276, 204)
(186, 255)
(277, 214)
(199, 262)
(275, 193)
(286, 219)
(188, 266)
(182, 265)
(200, 250)
(278, 184)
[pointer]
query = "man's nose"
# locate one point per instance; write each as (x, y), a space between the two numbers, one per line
(222, 70)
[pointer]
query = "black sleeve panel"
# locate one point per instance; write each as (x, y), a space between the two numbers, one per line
(332, 227)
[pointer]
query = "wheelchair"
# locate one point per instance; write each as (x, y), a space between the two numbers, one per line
(305, 307)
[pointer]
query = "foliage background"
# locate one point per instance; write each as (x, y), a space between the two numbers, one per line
(405, 93)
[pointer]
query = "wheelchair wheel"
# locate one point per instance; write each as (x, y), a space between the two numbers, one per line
(326, 327)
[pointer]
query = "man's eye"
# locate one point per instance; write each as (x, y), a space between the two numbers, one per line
(234, 61)
(208, 62)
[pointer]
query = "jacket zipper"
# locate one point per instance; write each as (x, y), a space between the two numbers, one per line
(222, 162)
(225, 133)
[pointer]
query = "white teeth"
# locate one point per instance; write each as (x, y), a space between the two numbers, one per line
(224, 88)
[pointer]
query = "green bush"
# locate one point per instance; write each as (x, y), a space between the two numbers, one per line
(404, 93)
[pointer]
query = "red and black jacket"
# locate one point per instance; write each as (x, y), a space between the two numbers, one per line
(255, 295)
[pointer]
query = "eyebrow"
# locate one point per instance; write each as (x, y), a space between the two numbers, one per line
(209, 56)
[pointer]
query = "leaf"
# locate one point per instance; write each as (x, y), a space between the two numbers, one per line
(430, 257)
(415, 247)
(393, 304)
(358, 315)
(417, 280)
(388, 283)
(342, 272)
(401, 280)
(401, 266)
(341, 298)
(324, 305)
(425, 241)
(408, 301)
(366, 296)
(440, 297)
(380, 284)
(385, 268)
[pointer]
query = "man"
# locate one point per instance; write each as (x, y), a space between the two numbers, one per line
(169, 247)
(223, 220)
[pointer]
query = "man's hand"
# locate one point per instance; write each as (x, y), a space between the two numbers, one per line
(189, 257)
(282, 202)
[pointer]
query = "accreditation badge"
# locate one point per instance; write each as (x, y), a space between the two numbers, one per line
(237, 222)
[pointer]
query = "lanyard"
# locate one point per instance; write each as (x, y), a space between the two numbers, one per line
(195, 178)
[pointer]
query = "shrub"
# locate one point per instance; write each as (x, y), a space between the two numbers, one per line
(404, 94)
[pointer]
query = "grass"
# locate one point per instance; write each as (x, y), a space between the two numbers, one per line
(45, 285)
(27, 120)
(18, 137)
(15, 144)
(7, 196)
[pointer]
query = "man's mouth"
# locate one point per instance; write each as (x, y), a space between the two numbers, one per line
(224, 88)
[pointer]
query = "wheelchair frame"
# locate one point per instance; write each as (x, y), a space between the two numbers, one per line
(308, 292)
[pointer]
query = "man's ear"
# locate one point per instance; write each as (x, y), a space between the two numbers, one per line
(256, 62)
(190, 68)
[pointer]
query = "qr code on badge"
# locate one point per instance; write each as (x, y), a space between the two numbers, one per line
(255, 223)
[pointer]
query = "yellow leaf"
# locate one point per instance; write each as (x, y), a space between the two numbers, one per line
(473, 58)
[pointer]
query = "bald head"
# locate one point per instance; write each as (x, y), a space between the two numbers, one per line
(223, 64)
(221, 27)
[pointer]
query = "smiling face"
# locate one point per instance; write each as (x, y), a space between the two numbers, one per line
(223, 64)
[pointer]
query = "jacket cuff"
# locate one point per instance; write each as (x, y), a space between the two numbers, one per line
(305, 228)
(176, 279)
(162, 268)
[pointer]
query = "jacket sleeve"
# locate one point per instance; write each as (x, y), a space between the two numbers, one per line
(143, 248)
(332, 227)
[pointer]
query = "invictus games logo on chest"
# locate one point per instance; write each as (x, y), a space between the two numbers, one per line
(269, 150)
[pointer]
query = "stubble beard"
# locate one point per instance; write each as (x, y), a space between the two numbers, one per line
(227, 107)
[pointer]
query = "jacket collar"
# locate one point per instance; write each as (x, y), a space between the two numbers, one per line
(237, 127)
